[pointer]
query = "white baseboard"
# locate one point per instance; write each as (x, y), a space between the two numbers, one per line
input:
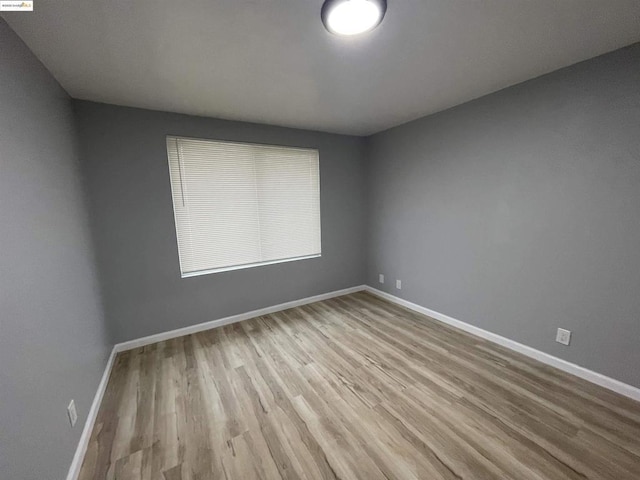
(83, 444)
(589, 375)
(584, 373)
(180, 332)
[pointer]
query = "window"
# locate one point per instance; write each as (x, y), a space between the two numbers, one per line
(240, 205)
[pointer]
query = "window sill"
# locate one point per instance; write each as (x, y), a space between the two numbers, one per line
(247, 265)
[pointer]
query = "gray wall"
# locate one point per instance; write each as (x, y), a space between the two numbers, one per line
(53, 345)
(125, 163)
(520, 212)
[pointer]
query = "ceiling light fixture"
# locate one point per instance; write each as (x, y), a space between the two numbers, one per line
(351, 17)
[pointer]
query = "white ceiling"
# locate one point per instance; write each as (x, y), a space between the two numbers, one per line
(271, 61)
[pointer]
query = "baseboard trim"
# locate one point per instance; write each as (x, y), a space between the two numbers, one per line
(83, 444)
(180, 332)
(584, 373)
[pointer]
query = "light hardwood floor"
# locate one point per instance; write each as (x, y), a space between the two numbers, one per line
(353, 387)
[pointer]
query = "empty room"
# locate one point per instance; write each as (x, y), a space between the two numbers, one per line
(320, 239)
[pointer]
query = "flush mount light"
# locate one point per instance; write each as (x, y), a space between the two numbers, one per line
(351, 17)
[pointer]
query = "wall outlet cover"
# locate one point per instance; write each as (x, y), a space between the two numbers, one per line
(381, 278)
(399, 284)
(73, 414)
(563, 336)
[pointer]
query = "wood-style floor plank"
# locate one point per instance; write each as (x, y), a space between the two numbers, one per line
(353, 388)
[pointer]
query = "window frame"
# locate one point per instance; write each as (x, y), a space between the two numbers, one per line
(251, 264)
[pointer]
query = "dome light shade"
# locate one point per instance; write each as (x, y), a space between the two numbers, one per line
(351, 17)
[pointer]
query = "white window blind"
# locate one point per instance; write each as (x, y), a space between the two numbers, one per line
(239, 205)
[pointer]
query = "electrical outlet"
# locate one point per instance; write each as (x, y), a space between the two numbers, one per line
(381, 278)
(399, 284)
(563, 336)
(71, 411)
